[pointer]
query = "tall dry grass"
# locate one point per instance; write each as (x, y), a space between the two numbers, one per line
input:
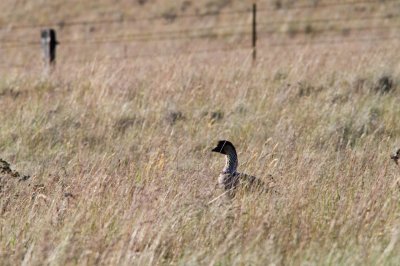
(122, 173)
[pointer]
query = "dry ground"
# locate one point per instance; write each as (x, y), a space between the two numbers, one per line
(121, 171)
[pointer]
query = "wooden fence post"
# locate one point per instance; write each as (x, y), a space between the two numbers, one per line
(254, 32)
(49, 43)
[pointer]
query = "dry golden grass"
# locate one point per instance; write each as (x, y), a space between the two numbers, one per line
(122, 172)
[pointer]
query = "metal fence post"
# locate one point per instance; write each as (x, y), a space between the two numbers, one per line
(49, 43)
(254, 32)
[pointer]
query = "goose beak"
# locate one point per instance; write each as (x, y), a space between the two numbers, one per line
(215, 149)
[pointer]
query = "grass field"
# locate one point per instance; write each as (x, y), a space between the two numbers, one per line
(119, 152)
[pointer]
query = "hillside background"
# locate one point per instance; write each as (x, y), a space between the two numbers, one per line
(112, 145)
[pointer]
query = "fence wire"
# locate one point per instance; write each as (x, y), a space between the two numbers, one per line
(174, 17)
(222, 32)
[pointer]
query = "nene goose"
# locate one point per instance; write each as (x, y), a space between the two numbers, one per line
(229, 179)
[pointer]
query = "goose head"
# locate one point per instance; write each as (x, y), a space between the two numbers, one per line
(225, 147)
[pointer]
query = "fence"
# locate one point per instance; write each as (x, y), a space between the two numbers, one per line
(253, 31)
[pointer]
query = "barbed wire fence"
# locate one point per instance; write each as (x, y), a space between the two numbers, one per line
(253, 31)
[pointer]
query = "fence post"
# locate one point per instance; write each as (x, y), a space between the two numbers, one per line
(254, 32)
(49, 43)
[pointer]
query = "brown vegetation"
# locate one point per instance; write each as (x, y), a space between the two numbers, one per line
(120, 163)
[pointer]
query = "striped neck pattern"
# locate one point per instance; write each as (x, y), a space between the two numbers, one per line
(231, 162)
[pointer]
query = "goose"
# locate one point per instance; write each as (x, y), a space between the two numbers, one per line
(229, 179)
